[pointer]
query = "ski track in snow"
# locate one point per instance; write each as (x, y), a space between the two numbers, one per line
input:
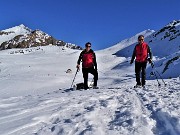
(119, 111)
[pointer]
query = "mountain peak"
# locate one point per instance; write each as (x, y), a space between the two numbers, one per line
(173, 23)
(22, 25)
(18, 29)
(22, 37)
(145, 33)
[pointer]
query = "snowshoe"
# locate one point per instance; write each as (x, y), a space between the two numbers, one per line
(137, 86)
(95, 87)
(80, 86)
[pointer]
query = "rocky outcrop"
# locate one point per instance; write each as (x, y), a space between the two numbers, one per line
(35, 38)
(32, 39)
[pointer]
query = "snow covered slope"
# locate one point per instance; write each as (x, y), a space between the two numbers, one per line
(34, 67)
(35, 97)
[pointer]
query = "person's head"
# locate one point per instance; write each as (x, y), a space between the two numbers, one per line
(88, 46)
(140, 39)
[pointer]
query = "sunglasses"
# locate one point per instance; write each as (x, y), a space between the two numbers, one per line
(140, 39)
(88, 46)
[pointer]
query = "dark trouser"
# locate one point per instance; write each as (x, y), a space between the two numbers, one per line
(85, 75)
(140, 66)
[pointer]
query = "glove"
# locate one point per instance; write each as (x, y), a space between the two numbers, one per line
(150, 60)
(78, 66)
(131, 62)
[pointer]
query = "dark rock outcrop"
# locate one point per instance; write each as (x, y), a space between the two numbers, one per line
(33, 39)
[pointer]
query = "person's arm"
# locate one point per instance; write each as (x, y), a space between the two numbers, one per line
(95, 63)
(133, 56)
(79, 61)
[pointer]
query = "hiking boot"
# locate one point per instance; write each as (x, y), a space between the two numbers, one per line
(95, 87)
(86, 88)
(137, 86)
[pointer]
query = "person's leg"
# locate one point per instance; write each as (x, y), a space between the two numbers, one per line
(143, 73)
(137, 71)
(95, 73)
(85, 76)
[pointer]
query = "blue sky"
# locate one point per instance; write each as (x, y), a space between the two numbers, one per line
(101, 22)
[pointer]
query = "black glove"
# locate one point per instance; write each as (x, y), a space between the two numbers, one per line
(149, 60)
(131, 62)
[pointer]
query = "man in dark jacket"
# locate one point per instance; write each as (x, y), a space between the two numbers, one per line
(89, 65)
(141, 52)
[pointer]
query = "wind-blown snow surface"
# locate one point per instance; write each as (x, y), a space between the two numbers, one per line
(35, 99)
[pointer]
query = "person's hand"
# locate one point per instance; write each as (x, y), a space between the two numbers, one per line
(150, 61)
(78, 66)
(131, 62)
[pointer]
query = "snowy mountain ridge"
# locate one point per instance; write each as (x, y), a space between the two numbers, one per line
(18, 29)
(10, 33)
(127, 42)
(23, 37)
(165, 38)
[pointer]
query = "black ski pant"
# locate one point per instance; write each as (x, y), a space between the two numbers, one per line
(85, 76)
(140, 68)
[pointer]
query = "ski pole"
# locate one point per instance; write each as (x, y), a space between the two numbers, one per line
(158, 74)
(74, 77)
(152, 65)
(161, 78)
(157, 79)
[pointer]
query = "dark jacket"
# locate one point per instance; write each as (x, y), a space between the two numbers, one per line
(141, 53)
(88, 59)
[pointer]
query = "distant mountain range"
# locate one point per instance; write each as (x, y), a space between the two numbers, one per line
(23, 37)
